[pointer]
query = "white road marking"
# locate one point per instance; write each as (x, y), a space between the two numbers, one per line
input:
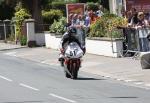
(56, 96)
(128, 80)
(148, 85)
(27, 86)
(11, 53)
(107, 76)
(5, 78)
(119, 79)
(138, 83)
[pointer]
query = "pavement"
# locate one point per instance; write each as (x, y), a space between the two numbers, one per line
(8, 46)
(124, 69)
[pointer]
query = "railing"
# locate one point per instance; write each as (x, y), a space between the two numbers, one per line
(7, 30)
(136, 40)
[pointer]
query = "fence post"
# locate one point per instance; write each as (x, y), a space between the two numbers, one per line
(30, 32)
(1, 30)
(4, 31)
(6, 23)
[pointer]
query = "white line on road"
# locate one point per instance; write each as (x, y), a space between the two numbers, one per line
(69, 100)
(128, 80)
(138, 83)
(11, 53)
(27, 86)
(5, 78)
(148, 85)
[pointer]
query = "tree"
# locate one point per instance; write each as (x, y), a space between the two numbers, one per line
(33, 6)
(6, 11)
(85, 1)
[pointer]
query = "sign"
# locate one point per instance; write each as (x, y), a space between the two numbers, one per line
(140, 5)
(77, 8)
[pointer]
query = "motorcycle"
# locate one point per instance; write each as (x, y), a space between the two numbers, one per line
(72, 60)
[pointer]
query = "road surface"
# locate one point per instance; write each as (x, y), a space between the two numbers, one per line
(25, 81)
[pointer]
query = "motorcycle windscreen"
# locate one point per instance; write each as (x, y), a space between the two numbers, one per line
(73, 50)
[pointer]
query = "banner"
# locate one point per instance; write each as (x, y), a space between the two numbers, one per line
(77, 8)
(140, 5)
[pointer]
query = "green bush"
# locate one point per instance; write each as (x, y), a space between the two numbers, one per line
(58, 26)
(49, 16)
(58, 5)
(92, 6)
(20, 16)
(107, 25)
(61, 5)
(23, 40)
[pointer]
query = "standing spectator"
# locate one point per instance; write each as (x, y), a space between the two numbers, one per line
(94, 18)
(70, 18)
(87, 20)
(99, 12)
(147, 17)
(129, 17)
(80, 20)
(80, 30)
(134, 19)
(87, 10)
(87, 23)
(74, 19)
(141, 20)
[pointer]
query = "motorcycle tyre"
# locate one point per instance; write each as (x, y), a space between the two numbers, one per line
(62, 63)
(67, 75)
(74, 72)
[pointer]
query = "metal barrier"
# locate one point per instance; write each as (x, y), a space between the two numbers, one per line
(136, 40)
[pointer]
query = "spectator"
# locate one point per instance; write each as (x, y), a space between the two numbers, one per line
(70, 18)
(87, 10)
(99, 12)
(80, 30)
(129, 16)
(87, 20)
(94, 18)
(142, 22)
(134, 19)
(80, 20)
(74, 20)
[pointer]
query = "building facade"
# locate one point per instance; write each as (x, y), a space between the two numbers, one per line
(116, 6)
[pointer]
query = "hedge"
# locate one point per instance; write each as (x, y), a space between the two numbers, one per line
(51, 15)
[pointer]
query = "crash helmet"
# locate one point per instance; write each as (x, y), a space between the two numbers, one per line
(72, 31)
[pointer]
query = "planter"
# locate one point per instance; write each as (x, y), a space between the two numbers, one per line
(52, 41)
(98, 46)
(105, 46)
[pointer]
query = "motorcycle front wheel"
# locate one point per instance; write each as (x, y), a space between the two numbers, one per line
(67, 75)
(74, 69)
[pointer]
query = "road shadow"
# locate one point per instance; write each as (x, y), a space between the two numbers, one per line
(83, 78)
(125, 97)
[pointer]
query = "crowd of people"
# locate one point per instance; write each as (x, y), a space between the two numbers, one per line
(138, 25)
(81, 26)
(86, 19)
(137, 19)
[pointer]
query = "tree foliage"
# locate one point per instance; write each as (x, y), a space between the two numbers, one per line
(20, 15)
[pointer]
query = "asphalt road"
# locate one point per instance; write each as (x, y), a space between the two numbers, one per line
(25, 81)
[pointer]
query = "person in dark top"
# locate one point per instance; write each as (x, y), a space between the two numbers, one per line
(134, 19)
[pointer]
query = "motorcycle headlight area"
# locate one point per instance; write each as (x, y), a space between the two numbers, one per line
(74, 54)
